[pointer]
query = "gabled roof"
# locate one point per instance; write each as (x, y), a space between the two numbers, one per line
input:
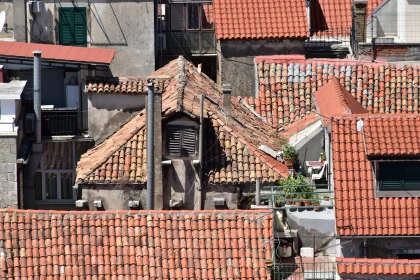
(57, 52)
(362, 268)
(335, 15)
(287, 83)
(232, 157)
(358, 212)
(263, 19)
(171, 245)
(333, 99)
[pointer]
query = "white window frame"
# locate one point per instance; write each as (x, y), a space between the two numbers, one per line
(58, 172)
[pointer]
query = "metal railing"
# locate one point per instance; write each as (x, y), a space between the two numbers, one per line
(305, 270)
(63, 122)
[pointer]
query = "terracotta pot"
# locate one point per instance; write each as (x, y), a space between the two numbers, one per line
(298, 203)
(307, 203)
(289, 162)
(316, 207)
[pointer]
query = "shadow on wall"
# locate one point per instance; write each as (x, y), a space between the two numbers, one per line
(41, 27)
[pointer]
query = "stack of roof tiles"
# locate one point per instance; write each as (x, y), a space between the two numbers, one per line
(362, 268)
(286, 86)
(131, 85)
(231, 156)
(358, 211)
(134, 245)
(248, 19)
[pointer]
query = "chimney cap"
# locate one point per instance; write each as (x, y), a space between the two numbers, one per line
(37, 52)
(227, 88)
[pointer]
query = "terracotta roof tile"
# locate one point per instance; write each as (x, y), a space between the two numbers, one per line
(232, 150)
(124, 85)
(334, 17)
(57, 52)
(287, 85)
(354, 268)
(128, 245)
(248, 19)
(358, 212)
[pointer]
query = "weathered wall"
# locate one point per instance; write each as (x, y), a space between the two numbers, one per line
(386, 248)
(110, 24)
(8, 172)
(7, 7)
(390, 52)
(309, 151)
(107, 112)
(114, 197)
(238, 67)
(314, 227)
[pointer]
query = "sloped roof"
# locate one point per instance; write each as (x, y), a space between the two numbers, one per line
(287, 85)
(57, 52)
(234, 159)
(263, 19)
(354, 268)
(134, 245)
(333, 99)
(123, 85)
(335, 15)
(358, 212)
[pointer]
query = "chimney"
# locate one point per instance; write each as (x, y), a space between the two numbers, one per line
(227, 93)
(37, 95)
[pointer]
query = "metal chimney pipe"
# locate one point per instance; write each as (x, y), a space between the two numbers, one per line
(227, 93)
(150, 144)
(37, 95)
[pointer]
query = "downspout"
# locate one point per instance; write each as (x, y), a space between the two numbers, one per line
(200, 153)
(37, 95)
(150, 144)
(257, 191)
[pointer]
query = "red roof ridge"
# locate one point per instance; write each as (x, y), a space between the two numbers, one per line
(301, 59)
(375, 116)
(375, 260)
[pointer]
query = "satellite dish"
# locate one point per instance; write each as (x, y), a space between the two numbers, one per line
(2, 20)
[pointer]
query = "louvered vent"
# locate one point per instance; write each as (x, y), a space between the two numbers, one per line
(181, 141)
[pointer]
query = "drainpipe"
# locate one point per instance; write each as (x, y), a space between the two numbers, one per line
(150, 144)
(257, 191)
(37, 95)
(227, 93)
(200, 153)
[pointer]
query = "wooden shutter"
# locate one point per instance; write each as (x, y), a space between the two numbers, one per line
(80, 30)
(73, 31)
(66, 17)
(173, 140)
(189, 142)
(390, 176)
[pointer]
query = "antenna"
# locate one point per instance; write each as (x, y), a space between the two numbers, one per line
(2, 20)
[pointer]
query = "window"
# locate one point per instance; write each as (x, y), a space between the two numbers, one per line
(72, 27)
(398, 175)
(181, 141)
(186, 28)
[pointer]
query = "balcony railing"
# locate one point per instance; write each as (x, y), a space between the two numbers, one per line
(55, 122)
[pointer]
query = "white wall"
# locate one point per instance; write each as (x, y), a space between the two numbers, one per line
(8, 111)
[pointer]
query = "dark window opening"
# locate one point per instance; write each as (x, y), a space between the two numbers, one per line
(408, 256)
(361, 23)
(181, 141)
(398, 176)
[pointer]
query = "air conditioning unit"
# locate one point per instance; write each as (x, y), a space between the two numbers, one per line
(29, 123)
(161, 41)
(36, 6)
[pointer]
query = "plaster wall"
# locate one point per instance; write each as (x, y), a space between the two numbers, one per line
(107, 112)
(8, 111)
(7, 7)
(114, 197)
(385, 248)
(8, 173)
(126, 26)
(237, 62)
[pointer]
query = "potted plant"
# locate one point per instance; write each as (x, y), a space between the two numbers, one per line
(323, 157)
(315, 204)
(289, 156)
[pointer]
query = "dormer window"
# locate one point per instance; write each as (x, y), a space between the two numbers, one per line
(398, 176)
(181, 141)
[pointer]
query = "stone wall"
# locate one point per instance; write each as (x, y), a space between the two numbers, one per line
(390, 52)
(8, 172)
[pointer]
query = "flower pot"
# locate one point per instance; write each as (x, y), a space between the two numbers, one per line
(290, 162)
(298, 203)
(307, 203)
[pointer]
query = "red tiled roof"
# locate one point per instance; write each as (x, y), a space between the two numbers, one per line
(249, 19)
(358, 212)
(57, 52)
(129, 85)
(135, 245)
(236, 158)
(348, 268)
(334, 99)
(287, 85)
(334, 17)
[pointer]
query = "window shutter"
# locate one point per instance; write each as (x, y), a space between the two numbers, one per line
(80, 30)
(390, 176)
(173, 139)
(189, 142)
(412, 176)
(66, 26)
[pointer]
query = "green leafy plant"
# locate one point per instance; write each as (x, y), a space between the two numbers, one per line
(323, 156)
(292, 186)
(289, 152)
